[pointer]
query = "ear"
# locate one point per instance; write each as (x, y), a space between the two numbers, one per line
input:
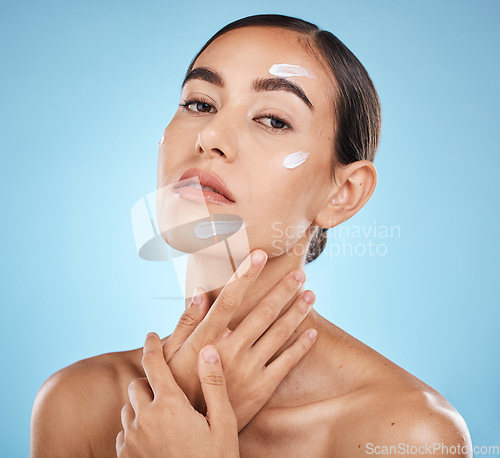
(355, 185)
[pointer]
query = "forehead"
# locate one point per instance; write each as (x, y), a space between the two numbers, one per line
(250, 51)
(276, 41)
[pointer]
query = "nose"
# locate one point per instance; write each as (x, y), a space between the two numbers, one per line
(218, 138)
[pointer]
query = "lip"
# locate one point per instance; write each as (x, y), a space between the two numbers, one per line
(206, 178)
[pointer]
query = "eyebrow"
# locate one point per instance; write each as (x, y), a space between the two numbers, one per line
(259, 85)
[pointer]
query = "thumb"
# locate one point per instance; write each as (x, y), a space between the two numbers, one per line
(220, 414)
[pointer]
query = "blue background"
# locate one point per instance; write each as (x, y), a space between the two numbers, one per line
(86, 91)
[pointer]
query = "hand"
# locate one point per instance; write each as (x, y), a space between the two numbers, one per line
(160, 421)
(246, 350)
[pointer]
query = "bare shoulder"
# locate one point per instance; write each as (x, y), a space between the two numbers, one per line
(404, 420)
(79, 406)
(381, 405)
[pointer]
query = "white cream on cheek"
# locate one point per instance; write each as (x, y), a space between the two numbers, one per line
(295, 159)
(162, 140)
(287, 70)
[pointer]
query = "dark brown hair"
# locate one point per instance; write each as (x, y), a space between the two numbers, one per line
(356, 103)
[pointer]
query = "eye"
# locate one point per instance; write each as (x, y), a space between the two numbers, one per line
(275, 123)
(197, 106)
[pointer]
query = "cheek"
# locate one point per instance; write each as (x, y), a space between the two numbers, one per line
(292, 179)
(281, 205)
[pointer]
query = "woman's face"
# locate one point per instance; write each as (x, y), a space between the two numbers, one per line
(243, 135)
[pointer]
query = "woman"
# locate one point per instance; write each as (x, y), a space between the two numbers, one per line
(284, 122)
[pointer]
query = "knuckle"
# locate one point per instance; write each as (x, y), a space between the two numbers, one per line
(167, 404)
(302, 347)
(287, 360)
(290, 284)
(228, 302)
(133, 385)
(294, 356)
(267, 311)
(187, 319)
(280, 333)
(147, 358)
(119, 443)
(125, 409)
(171, 403)
(198, 341)
(143, 422)
(124, 412)
(303, 306)
(130, 437)
(213, 379)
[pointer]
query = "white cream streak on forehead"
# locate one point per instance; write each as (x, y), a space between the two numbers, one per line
(286, 70)
(295, 159)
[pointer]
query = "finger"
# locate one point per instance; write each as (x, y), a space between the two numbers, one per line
(189, 320)
(284, 363)
(139, 393)
(281, 330)
(119, 442)
(127, 415)
(231, 296)
(220, 414)
(157, 371)
(266, 311)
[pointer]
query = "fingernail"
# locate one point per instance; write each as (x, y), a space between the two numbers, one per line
(309, 296)
(150, 334)
(210, 354)
(299, 276)
(197, 299)
(258, 257)
(312, 333)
